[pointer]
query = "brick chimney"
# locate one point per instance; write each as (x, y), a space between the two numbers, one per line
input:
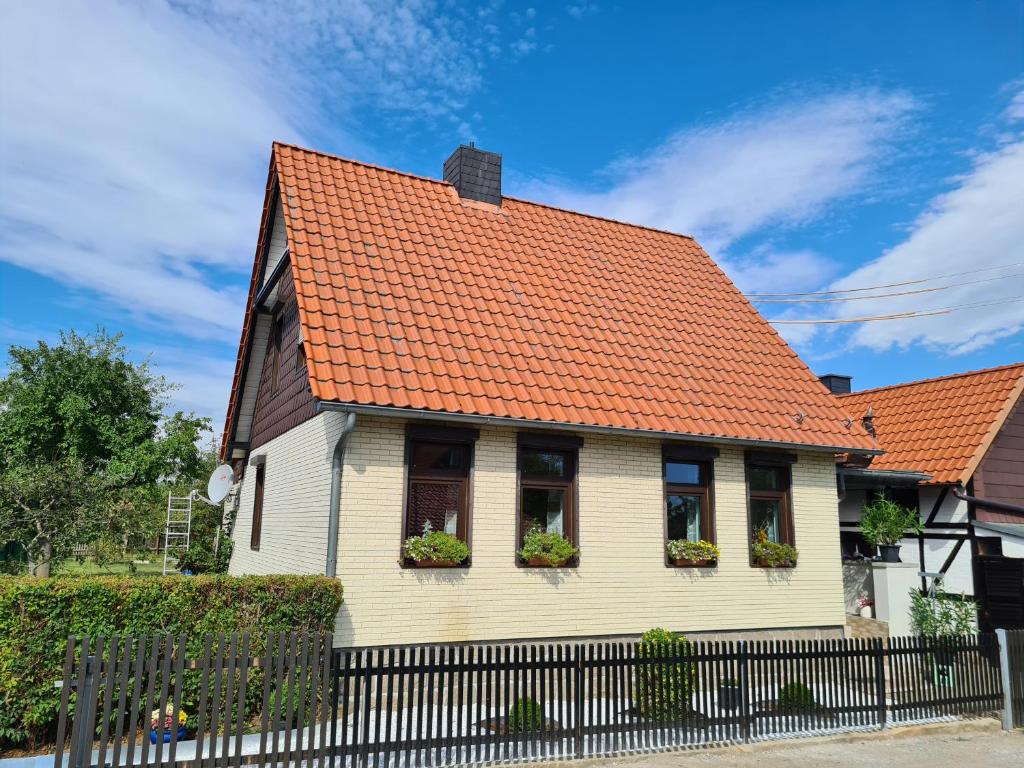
(475, 174)
(837, 383)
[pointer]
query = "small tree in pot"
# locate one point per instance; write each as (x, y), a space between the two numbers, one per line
(884, 522)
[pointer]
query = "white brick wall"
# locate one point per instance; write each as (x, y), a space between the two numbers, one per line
(621, 585)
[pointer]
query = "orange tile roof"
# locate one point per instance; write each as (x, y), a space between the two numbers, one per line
(940, 426)
(413, 298)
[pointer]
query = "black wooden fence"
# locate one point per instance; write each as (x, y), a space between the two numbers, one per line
(296, 702)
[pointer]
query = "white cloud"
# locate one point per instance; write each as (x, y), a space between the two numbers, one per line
(767, 270)
(778, 165)
(977, 226)
(134, 137)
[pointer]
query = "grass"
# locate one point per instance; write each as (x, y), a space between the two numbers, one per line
(89, 567)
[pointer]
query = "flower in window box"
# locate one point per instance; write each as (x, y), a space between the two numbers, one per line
(546, 549)
(686, 553)
(435, 549)
(772, 554)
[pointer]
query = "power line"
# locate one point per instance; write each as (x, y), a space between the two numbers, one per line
(880, 287)
(888, 295)
(898, 315)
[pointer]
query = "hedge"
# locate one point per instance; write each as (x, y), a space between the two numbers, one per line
(37, 615)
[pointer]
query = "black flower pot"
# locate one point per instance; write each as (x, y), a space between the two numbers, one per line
(890, 553)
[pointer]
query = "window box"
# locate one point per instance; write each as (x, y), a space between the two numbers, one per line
(436, 564)
(773, 564)
(541, 562)
(682, 562)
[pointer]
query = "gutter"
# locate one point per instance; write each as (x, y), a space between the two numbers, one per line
(334, 518)
(999, 506)
(411, 413)
(883, 474)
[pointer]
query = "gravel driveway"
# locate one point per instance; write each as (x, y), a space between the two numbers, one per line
(948, 745)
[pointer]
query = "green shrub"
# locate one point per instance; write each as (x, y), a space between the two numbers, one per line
(37, 615)
(885, 522)
(942, 615)
(663, 688)
(550, 547)
(795, 697)
(681, 549)
(524, 716)
(436, 546)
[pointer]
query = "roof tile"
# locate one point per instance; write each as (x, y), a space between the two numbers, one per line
(531, 312)
(937, 426)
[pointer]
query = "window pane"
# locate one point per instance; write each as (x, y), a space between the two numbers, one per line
(544, 508)
(766, 514)
(684, 517)
(436, 503)
(543, 464)
(767, 478)
(438, 456)
(678, 473)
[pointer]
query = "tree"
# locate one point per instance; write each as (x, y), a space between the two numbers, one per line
(83, 436)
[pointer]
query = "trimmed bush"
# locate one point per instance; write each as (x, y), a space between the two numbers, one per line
(525, 715)
(37, 615)
(663, 688)
(795, 697)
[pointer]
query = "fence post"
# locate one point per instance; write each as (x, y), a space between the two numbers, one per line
(81, 747)
(1005, 678)
(744, 691)
(880, 681)
(577, 707)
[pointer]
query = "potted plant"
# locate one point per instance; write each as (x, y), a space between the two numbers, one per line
(865, 605)
(546, 549)
(884, 522)
(168, 723)
(772, 554)
(435, 549)
(692, 554)
(730, 695)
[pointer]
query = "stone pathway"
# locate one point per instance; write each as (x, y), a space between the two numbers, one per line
(860, 627)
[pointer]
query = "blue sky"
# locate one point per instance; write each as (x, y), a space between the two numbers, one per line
(809, 146)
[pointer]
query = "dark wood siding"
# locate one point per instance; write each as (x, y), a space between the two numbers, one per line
(291, 403)
(1000, 476)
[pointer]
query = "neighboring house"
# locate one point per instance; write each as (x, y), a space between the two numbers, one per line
(421, 350)
(954, 450)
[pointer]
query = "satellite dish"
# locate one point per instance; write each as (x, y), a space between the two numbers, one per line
(221, 480)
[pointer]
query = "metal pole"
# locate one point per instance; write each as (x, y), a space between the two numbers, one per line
(1004, 677)
(82, 746)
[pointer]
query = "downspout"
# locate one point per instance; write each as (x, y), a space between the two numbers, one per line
(333, 522)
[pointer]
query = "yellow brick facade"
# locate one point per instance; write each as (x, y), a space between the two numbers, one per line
(621, 586)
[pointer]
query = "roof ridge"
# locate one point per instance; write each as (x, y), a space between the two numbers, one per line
(549, 206)
(948, 376)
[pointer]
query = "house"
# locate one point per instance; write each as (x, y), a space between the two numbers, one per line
(954, 450)
(422, 350)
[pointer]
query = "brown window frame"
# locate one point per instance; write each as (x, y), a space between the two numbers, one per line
(705, 490)
(435, 435)
(787, 526)
(256, 532)
(277, 341)
(567, 445)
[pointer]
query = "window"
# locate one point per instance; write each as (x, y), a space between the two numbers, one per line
(768, 488)
(275, 373)
(689, 502)
(300, 357)
(257, 509)
(547, 485)
(437, 497)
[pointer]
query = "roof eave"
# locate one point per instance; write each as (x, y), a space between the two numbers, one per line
(412, 413)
